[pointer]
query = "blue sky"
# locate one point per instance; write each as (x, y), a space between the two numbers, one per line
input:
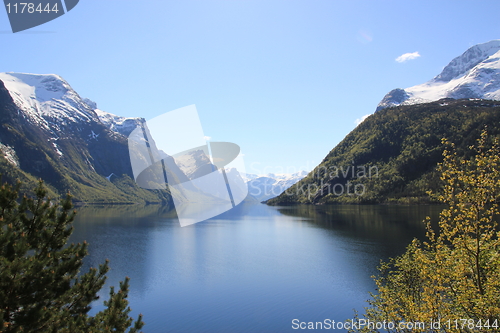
(285, 80)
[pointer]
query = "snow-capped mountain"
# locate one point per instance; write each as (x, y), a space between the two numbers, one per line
(47, 100)
(474, 74)
(48, 131)
(264, 187)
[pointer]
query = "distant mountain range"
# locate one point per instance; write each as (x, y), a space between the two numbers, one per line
(264, 187)
(474, 74)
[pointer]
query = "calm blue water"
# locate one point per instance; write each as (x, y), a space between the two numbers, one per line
(253, 269)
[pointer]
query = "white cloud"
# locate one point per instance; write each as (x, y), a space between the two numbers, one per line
(360, 120)
(207, 138)
(408, 56)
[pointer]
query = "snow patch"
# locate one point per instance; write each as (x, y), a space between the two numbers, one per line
(9, 154)
(56, 147)
(92, 135)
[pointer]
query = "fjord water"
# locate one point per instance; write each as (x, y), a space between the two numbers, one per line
(252, 269)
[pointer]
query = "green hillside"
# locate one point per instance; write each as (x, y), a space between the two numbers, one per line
(391, 157)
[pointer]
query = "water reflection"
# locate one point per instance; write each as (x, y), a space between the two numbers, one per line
(393, 227)
(251, 269)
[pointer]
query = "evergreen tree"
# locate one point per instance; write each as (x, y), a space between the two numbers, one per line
(453, 279)
(41, 289)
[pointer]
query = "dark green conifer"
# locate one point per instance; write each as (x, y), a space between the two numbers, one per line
(41, 289)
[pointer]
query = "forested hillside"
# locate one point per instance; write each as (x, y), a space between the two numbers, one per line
(392, 156)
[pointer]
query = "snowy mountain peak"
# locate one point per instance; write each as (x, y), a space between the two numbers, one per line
(469, 59)
(49, 101)
(474, 74)
(47, 98)
(47, 86)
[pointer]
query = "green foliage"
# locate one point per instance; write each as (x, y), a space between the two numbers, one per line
(404, 144)
(455, 274)
(41, 289)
